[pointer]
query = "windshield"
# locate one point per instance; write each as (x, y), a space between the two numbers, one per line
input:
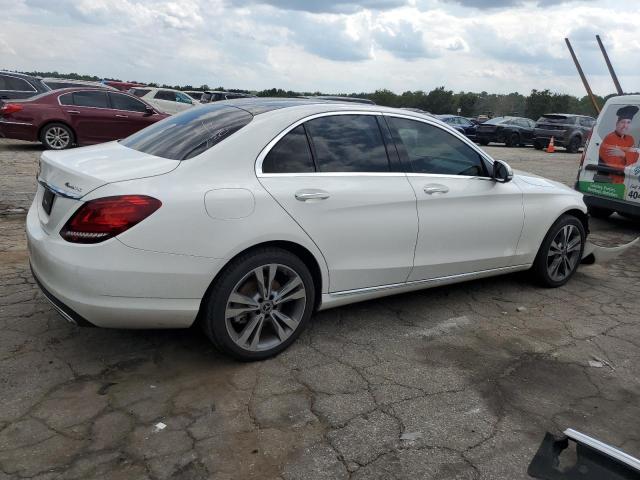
(189, 133)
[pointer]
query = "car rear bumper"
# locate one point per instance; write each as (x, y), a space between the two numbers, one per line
(621, 206)
(116, 286)
(490, 137)
(559, 136)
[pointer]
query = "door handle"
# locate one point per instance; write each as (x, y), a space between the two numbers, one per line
(122, 116)
(304, 195)
(73, 112)
(432, 188)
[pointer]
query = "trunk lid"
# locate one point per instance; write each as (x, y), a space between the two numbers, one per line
(72, 174)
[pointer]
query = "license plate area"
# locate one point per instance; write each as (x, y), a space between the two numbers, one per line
(48, 198)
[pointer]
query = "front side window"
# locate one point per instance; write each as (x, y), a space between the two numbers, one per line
(348, 143)
(429, 149)
(182, 98)
(90, 99)
(190, 133)
(125, 102)
(290, 155)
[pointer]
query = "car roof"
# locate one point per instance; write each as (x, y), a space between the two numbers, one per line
(16, 74)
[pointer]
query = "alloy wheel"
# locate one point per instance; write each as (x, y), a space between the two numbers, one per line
(564, 253)
(57, 138)
(265, 307)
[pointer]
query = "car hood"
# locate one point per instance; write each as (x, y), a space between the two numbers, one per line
(538, 181)
(75, 173)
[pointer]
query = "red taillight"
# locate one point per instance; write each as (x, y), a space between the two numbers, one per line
(103, 218)
(10, 108)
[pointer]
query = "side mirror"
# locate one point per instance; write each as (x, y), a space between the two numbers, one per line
(502, 172)
(149, 111)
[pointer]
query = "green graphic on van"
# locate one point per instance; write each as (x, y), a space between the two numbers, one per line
(611, 190)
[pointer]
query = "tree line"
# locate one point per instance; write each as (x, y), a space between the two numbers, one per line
(437, 101)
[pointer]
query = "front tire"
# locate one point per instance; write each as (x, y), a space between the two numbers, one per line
(57, 136)
(560, 252)
(260, 304)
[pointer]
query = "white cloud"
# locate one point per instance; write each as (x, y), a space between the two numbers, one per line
(334, 46)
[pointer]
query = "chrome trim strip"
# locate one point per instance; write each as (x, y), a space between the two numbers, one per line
(602, 447)
(265, 151)
(460, 276)
(15, 123)
(60, 192)
(62, 313)
(334, 174)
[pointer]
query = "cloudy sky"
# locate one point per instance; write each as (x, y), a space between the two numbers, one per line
(328, 45)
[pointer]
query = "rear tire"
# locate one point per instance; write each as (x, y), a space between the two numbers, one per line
(57, 136)
(513, 140)
(484, 143)
(560, 252)
(574, 145)
(260, 304)
(537, 145)
(599, 212)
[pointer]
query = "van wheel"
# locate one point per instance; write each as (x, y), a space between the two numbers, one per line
(260, 304)
(574, 145)
(599, 212)
(560, 252)
(57, 136)
(630, 216)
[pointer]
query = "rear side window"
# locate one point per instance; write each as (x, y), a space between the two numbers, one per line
(165, 95)
(10, 83)
(124, 102)
(430, 149)
(90, 99)
(66, 99)
(290, 155)
(190, 133)
(348, 143)
(139, 92)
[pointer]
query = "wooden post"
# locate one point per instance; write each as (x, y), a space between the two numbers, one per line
(584, 79)
(610, 67)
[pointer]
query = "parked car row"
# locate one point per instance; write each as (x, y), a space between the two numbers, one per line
(76, 116)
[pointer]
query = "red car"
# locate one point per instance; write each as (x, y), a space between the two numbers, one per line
(76, 116)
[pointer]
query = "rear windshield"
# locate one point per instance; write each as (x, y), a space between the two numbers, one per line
(139, 92)
(497, 120)
(556, 119)
(189, 133)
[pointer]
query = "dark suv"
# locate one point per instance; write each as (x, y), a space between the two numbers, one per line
(568, 130)
(17, 85)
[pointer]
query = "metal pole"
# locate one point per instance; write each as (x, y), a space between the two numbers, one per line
(584, 79)
(610, 67)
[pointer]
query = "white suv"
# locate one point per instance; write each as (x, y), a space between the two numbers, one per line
(165, 99)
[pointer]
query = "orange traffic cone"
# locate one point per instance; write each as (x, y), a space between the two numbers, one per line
(551, 147)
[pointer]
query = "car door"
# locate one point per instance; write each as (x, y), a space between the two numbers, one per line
(526, 130)
(14, 88)
(130, 114)
(467, 221)
(90, 115)
(333, 176)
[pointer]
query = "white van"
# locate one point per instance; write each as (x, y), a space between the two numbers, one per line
(609, 174)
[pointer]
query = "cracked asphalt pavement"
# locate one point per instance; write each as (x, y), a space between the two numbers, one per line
(459, 382)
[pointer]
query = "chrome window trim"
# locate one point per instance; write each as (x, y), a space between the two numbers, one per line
(106, 92)
(265, 151)
(33, 89)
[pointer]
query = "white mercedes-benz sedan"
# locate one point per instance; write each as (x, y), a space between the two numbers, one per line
(249, 215)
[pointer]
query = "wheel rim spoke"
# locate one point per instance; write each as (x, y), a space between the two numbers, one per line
(243, 300)
(282, 293)
(288, 321)
(282, 335)
(249, 328)
(259, 274)
(234, 312)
